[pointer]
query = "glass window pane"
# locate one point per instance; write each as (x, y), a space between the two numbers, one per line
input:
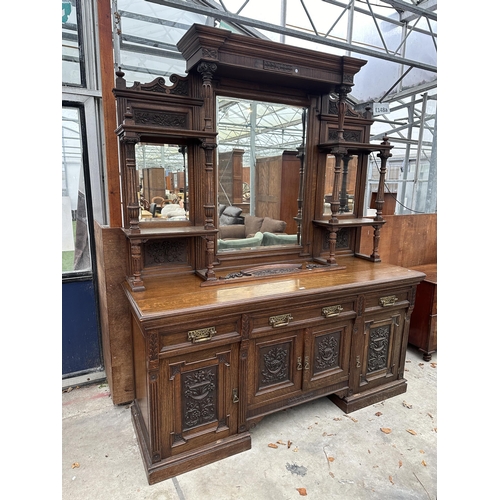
(71, 53)
(75, 236)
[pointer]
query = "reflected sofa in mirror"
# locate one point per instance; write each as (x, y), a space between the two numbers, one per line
(162, 175)
(259, 173)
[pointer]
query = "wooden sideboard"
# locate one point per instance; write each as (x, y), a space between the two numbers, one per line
(213, 362)
(222, 338)
(423, 326)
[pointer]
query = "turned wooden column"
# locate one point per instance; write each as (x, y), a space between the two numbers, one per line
(384, 154)
(300, 199)
(339, 154)
(136, 257)
(344, 207)
(332, 243)
(208, 184)
(342, 91)
(132, 211)
(209, 258)
(376, 240)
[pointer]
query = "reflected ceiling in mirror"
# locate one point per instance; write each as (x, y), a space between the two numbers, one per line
(259, 173)
(162, 171)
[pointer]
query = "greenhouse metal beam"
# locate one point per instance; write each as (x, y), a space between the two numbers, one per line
(226, 16)
(404, 7)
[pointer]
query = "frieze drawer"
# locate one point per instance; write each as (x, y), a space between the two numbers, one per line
(196, 334)
(393, 298)
(294, 316)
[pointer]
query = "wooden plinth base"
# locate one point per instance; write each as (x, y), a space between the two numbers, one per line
(349, 404)
(185, 462)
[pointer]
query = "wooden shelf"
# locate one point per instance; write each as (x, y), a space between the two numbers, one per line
(358, 222)
(169, 232)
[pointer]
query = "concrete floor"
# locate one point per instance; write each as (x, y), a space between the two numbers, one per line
(332, 455)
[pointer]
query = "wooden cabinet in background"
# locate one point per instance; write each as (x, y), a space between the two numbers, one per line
(153, 183)
(423, 327)
(278, 181)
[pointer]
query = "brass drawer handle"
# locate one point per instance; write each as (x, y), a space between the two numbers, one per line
(331, 311)
(281, 320)
(201, 335)
(388, 301)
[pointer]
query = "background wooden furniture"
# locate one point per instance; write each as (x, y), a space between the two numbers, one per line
(278, 181)
(423, 326)
(153, 183)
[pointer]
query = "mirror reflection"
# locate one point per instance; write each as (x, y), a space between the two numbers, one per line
(348, 184)
(162, 177)
(258, 173)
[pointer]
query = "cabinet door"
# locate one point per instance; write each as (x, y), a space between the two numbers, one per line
(277, 363)
(379, 361)
(201, 403)
(326, 359)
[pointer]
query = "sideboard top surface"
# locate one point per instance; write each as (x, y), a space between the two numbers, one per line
(183, 294)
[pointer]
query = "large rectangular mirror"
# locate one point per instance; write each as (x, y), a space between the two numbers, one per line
(259, 173)
(162, 177)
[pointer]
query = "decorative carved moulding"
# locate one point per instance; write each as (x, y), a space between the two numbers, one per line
(258, 60)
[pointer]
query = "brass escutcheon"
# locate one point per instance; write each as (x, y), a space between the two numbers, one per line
(388, 301)
(330, 311)
(202, 334)
(299, 363)
(236, 399)
(281, 320)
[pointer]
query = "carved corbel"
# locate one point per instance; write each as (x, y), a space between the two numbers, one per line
(207, 71)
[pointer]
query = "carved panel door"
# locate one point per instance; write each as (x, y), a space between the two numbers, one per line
(326, 359)
(379, 361)
(202, 396)
(277, 362)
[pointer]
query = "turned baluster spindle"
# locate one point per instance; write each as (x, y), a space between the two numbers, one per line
(343, 192)
(209, 258)
(376, 240)
(136, 254)
(208, 184)
(335, 203)
(383, 155)
(332, 242)
(301, 155)
(133, 189)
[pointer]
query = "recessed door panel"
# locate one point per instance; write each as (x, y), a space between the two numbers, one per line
(327, 355)
(278, 367)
